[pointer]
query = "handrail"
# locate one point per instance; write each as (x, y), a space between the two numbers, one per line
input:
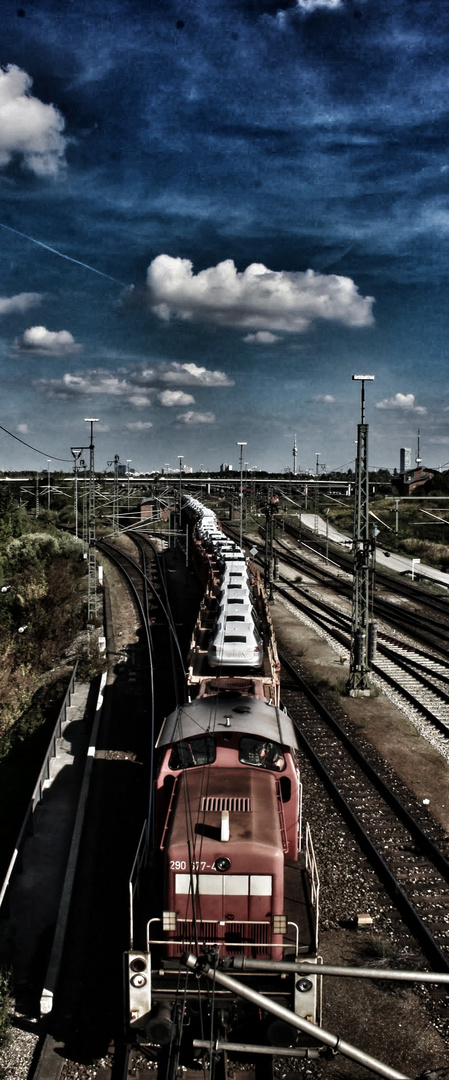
(44, 774)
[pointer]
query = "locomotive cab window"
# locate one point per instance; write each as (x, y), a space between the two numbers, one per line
(261, 752)
(191, 752)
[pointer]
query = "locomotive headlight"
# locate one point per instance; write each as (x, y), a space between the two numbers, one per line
(304, 985)
(138, 981)
(169, 920)
(279, 924)
(222, 865)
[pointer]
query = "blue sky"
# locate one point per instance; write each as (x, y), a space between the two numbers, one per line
(213, 215)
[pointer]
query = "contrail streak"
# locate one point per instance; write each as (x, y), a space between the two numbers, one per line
(61, 254)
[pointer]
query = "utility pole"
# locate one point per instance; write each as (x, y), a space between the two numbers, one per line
(241, 445)
(295, 454)
(128, 463)
(76, 451)
(271, 509)
(181, 459)
(91, 560)
(362, 631)
(115, 507)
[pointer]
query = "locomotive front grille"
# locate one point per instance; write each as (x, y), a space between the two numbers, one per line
(218, 803)
(236, 937)
(204, 932)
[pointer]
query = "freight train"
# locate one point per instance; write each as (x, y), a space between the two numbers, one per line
(225, 874)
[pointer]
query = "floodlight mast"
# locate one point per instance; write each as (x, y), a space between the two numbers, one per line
(91, 561)
(241, 445)
(362, 631)
(76, 452)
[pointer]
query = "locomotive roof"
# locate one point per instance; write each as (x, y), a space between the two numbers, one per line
(228, 711)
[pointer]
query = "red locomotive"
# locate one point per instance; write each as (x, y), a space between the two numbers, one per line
(231, 876)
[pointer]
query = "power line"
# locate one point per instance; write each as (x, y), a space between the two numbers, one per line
(52, 456)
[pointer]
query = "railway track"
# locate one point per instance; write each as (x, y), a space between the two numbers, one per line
(131, 1062)
(88, 1010)
(392, 583)
(418, 681)
(416, 678)
(410, 858)
(425, 615)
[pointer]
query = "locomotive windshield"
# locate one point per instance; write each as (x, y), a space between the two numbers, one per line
(261, 752)
(192, 752)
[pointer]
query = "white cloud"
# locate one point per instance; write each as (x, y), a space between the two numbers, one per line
(135, 385)
(192, 375)
(90, 382)
(403, 402)
(22, 429)
(139, 400)
(312, 5)
(263, 337)
(139, 425)
(28, 127)
(191, 417)
(327, 399)
(174, 397)
(257, 299)
(21, 302)
(37, 339)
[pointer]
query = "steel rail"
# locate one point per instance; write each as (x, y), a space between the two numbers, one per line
(435, 955)
(343, 639)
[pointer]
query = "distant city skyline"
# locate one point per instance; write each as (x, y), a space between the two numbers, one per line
(211, 221)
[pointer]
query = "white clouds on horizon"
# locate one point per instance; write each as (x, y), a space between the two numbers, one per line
(192, 417)
(28, 127)
(139, 425)
(21, 302)
(262, 337)
(43, 342)
(401, 402)
(258, 299)
(137, 386)
(326, 399)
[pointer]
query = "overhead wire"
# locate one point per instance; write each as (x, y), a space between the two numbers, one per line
(51, 457)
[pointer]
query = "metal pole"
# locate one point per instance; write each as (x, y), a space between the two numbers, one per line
(76, 500)
(181, 457)
(359, 680)
(308, 967)
(48, 483)
(241, 445)
(318, 1033)
(115, 508)
(128, 462)
(91, 560)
